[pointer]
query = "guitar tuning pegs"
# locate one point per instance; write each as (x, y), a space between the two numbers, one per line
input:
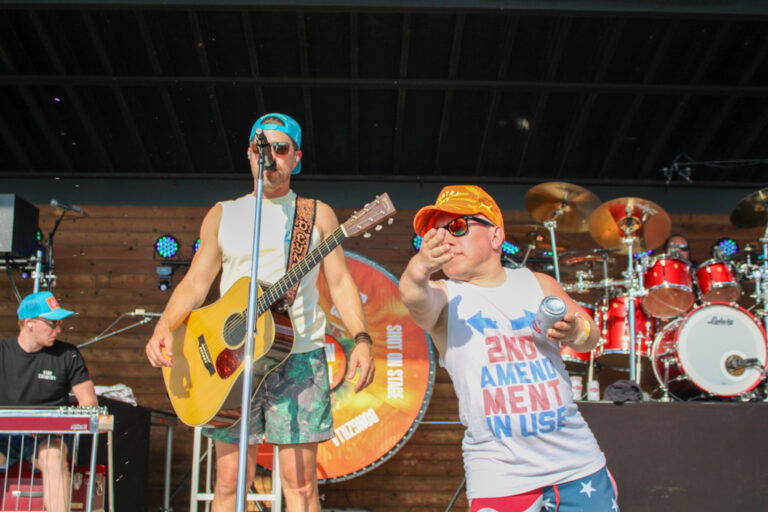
(367, 235)
(378, 228)
(390, 221)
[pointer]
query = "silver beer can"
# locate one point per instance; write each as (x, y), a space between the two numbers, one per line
(550, 311)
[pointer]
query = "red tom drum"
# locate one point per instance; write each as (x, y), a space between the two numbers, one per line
(717, 282)
(670, 287)
(613, 350)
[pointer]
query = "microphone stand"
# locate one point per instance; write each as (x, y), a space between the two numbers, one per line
(245, 403)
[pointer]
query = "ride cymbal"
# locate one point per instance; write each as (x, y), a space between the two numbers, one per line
(570, 205)
(623, 217)
(752, 211)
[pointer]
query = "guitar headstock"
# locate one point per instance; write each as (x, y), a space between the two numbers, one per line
(371, 214)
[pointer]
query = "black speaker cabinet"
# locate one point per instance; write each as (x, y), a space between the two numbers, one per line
(18, 226)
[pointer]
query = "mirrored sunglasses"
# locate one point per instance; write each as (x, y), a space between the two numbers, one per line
(460, 225)
(278, 148)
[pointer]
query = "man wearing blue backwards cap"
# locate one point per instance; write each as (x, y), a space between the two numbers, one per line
(36, 369)
(292, 408)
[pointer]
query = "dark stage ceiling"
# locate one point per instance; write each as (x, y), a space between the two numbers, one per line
(594, 92)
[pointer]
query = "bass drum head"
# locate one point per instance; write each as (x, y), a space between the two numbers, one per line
(713, 334)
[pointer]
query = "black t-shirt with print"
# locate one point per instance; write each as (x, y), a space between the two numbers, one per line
(42, 378)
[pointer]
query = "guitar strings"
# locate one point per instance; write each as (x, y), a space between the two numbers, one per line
(272, 294)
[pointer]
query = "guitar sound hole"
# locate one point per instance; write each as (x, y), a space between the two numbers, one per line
(234, 329)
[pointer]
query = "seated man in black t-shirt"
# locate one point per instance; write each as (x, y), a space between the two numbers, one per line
(38, 370)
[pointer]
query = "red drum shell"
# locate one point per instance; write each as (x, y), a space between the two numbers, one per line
(670, 287)
(613, 350)
(717, 282)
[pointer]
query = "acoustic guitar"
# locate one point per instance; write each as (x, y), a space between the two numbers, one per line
(205, 381)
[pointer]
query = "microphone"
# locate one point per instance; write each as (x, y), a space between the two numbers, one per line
(269, 158)
(141, 312)
(65, 206)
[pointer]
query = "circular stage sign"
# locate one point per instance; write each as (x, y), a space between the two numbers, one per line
(372, 425)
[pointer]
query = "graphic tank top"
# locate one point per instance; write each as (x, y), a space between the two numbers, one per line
(523, 430)
(235, 243)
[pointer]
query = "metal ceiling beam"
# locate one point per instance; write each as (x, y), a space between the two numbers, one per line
(77, 104)
(308, 136)
(577, 127)
(621, 133)
(505, 54)
(587, 7)
(682, 105)
(393, 83)
(133, 130)
(10, 140)
(751, 133)
(213, 100)
(354, 97)
(554, 56)
(42, 124)
(405, 46)
(453, 66)
(253, 59)
(725, 109)
(165, 96)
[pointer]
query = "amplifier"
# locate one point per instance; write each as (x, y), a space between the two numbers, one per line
(18, 226)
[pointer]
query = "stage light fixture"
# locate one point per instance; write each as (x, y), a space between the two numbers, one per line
(164, 277)
(416, 241)
(726, 246)
(646, 253)
(197, 245)
(166, 246)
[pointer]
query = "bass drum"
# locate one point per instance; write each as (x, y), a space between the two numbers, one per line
(715, 350)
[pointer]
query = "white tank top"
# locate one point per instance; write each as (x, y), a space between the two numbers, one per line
(523, 430)
(235, 243)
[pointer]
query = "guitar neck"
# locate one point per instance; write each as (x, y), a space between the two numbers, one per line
(299, 270)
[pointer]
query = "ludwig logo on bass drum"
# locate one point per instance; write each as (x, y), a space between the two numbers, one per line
(720, 320)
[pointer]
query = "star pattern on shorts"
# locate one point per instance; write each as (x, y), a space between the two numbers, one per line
(586, 488)
(614, 504)
(548, 504)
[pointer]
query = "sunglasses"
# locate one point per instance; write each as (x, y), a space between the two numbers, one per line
(279, 148)
(460, 225)
(50, 323)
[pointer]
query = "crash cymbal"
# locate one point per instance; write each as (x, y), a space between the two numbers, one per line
(752, 211)
(588, 259)
(574, 203)
(629, 216)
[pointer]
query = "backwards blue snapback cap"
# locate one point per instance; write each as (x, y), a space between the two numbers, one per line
(290, 128)
(41, 305)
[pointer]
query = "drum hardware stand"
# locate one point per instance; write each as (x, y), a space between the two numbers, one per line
(551, 225)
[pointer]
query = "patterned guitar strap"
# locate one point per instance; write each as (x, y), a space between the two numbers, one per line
(301, 237)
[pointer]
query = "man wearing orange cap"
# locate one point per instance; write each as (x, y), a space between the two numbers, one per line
(526, 446)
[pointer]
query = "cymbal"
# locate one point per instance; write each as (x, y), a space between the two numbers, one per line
(630, 216)
(541, 239)
(752, 211)
(574, 203)
(588, 259)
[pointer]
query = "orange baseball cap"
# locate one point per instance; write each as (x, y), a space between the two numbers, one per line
(462, 200)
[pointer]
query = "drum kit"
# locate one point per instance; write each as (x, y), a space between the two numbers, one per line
(692, 340)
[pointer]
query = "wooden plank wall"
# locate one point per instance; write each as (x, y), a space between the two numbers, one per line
(106, 268)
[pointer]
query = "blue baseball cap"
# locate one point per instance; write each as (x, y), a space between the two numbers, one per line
(289, 127)
(42, 305)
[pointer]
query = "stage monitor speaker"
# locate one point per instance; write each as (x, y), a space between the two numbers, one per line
(18, 226)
